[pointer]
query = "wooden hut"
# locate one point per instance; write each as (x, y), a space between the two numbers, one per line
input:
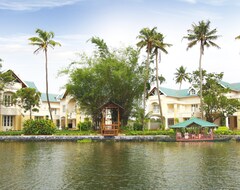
(110, 122)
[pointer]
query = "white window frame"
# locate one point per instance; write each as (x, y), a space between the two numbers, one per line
(8, 121)
(7, 99)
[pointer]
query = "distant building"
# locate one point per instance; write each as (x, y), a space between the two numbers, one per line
(180, 105)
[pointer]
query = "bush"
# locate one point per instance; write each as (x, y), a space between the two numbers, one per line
(38, 127)
(137, 127)
(85, 126)
(223, 131)
(156, 132)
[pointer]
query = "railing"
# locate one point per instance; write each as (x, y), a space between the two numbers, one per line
(192, 137)
(109, 130)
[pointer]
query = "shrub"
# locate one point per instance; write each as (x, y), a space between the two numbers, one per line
(155, 132)
(38, 127)
(223, 131)
(137, 127)
(85, 126)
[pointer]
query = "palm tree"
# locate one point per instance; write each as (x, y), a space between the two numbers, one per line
(146, 38)
(159, 46)
(181, 75)
(237, 38)
(201, 33)
(43, 41)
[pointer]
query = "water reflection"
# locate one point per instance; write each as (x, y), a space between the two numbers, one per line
(120, 165)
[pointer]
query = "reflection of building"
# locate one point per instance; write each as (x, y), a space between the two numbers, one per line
(180, 105)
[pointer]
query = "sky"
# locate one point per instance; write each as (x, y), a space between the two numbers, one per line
(118, 22)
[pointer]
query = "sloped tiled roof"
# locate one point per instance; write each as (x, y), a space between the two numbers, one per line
(31, 85)
(52, 97)
(232, 86)
(192, 121)
(174, 93)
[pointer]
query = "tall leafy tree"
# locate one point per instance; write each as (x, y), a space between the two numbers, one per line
(202, 34)
(181, 75)
(43, 41)
(146, 38)
(216, 104)
(159, 46)
(113, 76)
(28, 99)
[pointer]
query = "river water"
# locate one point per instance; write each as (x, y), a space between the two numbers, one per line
(119, 165)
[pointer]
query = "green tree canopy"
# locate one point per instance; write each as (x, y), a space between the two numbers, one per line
(28, 99)
(115, 77)
(5, 77)
(216, 103)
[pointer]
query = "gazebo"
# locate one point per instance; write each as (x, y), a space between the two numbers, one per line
(194, 129)
(110, 122)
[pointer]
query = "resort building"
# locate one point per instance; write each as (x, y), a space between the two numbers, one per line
(180, 105)
(13, 116)
(177, 106)
(69, 112)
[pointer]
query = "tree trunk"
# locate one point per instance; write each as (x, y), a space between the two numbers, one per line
(158, 89)
(201, 80)
(145, 87)
(46, 70)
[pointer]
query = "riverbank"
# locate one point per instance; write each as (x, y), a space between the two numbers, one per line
(134, 138)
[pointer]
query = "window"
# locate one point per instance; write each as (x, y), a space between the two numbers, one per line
(54, 111)
(38, 117)
(170, 121)
(8, 121)
(64, 108)
(192, 92)
(194, 107)
(7, 100)
(155, 108)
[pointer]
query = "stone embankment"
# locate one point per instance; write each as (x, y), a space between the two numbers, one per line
(156, 138)
(98, 138)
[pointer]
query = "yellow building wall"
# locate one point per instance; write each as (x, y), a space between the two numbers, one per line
(1, 128)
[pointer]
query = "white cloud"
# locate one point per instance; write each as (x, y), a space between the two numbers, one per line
(20, 5)
(213, 2)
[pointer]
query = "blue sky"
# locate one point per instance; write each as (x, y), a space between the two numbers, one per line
(118, 22)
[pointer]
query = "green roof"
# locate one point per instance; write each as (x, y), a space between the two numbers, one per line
(193, 121)
(52, 97)
(174, 93)
(232, 86)
(31, 85)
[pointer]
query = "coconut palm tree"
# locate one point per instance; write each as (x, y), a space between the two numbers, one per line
(201, 33)
(146, 38)
(159, 46)
(181, 75)
(43, 41)
(237, 38)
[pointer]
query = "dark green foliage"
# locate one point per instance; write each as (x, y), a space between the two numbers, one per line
(75, 132)
(216, 104)
(5, 77)
(157, 132)
(28, 99)
(137, 127)
(114, 76)
(38, 127)
(85, 126)
(11, 133)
